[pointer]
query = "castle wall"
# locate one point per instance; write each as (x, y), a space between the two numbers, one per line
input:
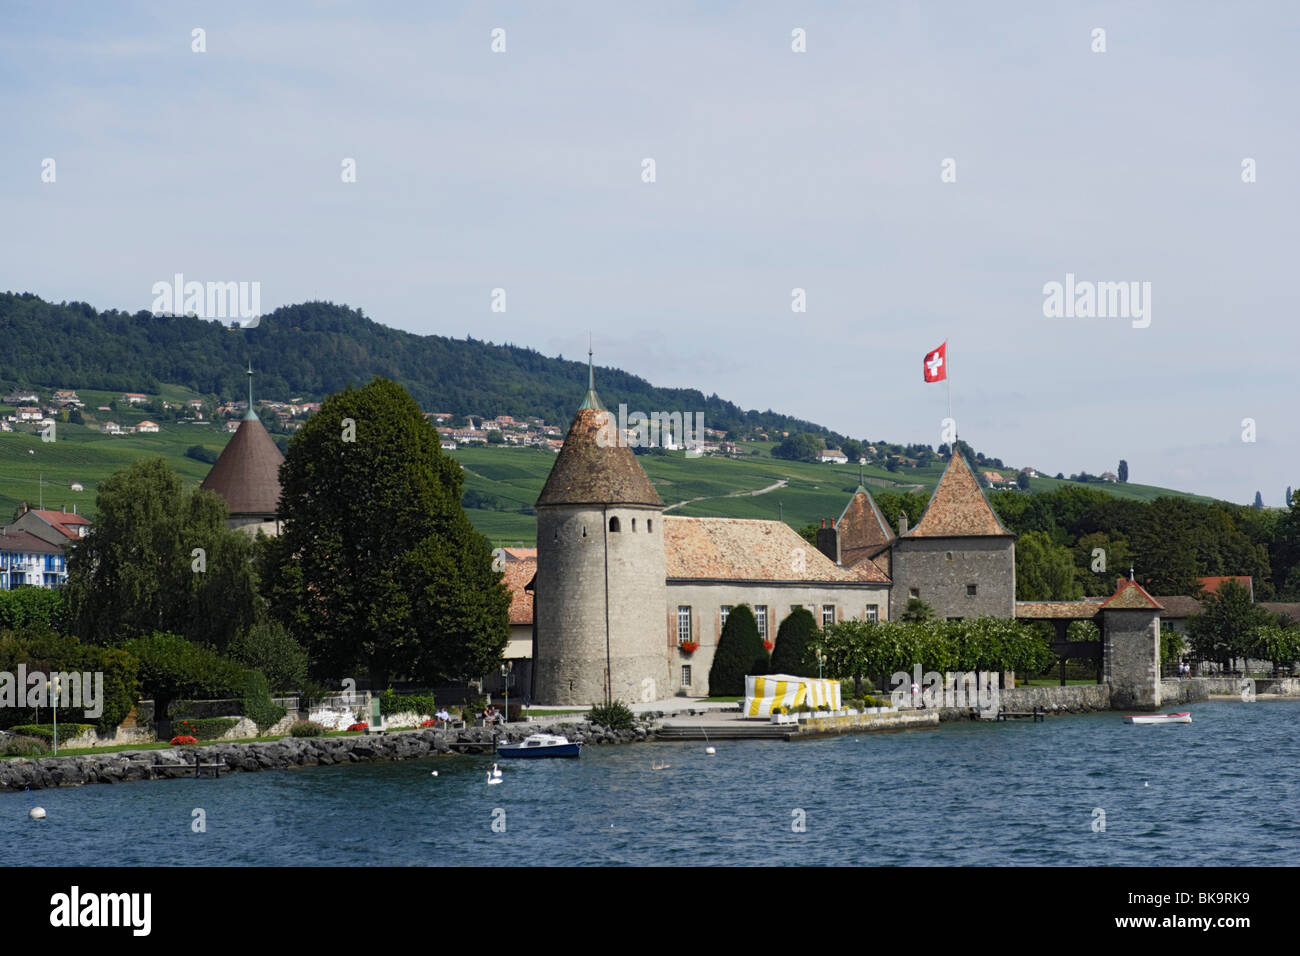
(1132, 663)
(572, 546)
(941, 569)
(251, 524)
(706, 598)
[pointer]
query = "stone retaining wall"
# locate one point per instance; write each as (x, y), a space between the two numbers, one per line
(1070, 699)
(129, 765)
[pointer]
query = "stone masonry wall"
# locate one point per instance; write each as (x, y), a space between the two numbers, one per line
(942, 568)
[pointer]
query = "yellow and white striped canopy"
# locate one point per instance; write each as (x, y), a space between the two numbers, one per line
(783, 690)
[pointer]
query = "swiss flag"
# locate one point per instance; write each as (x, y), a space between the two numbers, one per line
(935, 366)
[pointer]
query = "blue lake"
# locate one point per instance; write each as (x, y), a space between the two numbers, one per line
(1222, 790)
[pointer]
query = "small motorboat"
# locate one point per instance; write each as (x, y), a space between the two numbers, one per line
(540, 745)
(1183, 718)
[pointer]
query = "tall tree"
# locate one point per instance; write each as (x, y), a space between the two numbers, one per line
(1123, 470)
(1044, 570)
(1259, 500)
(378, 569)
(1228, 627)
(160, 557)
(1288, 496)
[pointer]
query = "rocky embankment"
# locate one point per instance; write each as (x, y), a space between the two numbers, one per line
(128, 765)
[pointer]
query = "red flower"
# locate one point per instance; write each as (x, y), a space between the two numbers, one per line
(689, 647)
(768, 645)
(429, 723)
(358, 727)
(184, 740)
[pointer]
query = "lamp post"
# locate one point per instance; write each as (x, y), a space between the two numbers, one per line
(505, 682)
(54, 702)
(821, 659)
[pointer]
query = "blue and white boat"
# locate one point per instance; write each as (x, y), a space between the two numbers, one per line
(540, 745)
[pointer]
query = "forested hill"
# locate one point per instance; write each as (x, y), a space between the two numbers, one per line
(312, 350)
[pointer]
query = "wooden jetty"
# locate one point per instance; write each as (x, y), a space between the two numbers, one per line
(1037, 714)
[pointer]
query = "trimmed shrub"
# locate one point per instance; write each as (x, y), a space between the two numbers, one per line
(740, 653)
(16, 746)
(306, 728)
(792, 639)
(41, 608)
(45, 732)
(204, 728)
(391, 702)
(50, 653)
(615, 715)
(255, 701)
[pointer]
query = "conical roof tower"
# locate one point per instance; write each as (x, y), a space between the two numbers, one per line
(247, 473)
(958, 507)
(595, 466)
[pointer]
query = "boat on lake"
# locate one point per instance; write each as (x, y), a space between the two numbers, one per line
(1183, 718)
(540, 745)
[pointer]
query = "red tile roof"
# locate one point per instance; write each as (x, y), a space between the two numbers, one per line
(1131, 596)
(16, 541)
(62, 521)
(864, 532)
(516, 577)
(1212, 585)
(958, 507)
(1058, 610)
(743, 549)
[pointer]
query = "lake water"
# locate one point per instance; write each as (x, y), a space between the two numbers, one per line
(1222, 790)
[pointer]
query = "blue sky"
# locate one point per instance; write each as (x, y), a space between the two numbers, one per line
(775, 170)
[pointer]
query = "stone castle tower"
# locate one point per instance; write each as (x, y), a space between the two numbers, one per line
(960, 559)
(600, 590)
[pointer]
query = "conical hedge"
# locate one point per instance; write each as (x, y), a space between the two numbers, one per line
(740, 652)
(790, 654)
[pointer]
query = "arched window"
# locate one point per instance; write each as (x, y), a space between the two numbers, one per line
(613, 524)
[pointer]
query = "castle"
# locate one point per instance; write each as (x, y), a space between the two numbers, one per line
(629, 602)
(247, 475)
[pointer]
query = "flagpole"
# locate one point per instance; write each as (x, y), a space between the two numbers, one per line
(948, 381)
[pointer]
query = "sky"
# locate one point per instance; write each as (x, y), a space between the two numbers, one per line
(922, 171)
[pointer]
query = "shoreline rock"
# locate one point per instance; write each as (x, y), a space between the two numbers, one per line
(75, 770)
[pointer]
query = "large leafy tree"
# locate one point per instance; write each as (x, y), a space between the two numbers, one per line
(378, 569)
(1044, 570)
(740, 652)
(1228, 627)
(160, 557)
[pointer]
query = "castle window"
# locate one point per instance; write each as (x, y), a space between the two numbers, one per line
(873, 612)
(613, 524)
(760, 615)
(650, 525)
(828, 615)
(948, 555)
(914, 592)
(686, 675)
(722, 613)
(584, 530)
(970, 590)
(634, 524)
(683, 623)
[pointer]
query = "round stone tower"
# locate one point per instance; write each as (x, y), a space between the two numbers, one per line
(600, 595)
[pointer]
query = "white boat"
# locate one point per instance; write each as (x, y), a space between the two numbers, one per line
(1183, 718)
(540, 745)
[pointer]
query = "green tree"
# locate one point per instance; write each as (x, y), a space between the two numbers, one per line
(268, 647)
(32, 607)
(494, 437)
(1227, 628)
(740, 652)
(1123, 470)
(1273, 642)
(802, 446)
(160, 557)
(1259, 500)
(917, 611)
(1044, 571)
(790, 655)
(1022, 481)
(852, 649)
(378, 567)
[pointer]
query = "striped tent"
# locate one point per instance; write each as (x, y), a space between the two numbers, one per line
(783, 690)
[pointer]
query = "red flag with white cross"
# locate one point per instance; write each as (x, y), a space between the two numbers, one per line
(935, 366)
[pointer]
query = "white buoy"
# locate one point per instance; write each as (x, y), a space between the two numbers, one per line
(710, 751)
(36, 813)
(433, 773)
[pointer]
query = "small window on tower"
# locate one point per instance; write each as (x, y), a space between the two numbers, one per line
(970, 590)
(613, 524)
(634, 525)
(650, 525)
